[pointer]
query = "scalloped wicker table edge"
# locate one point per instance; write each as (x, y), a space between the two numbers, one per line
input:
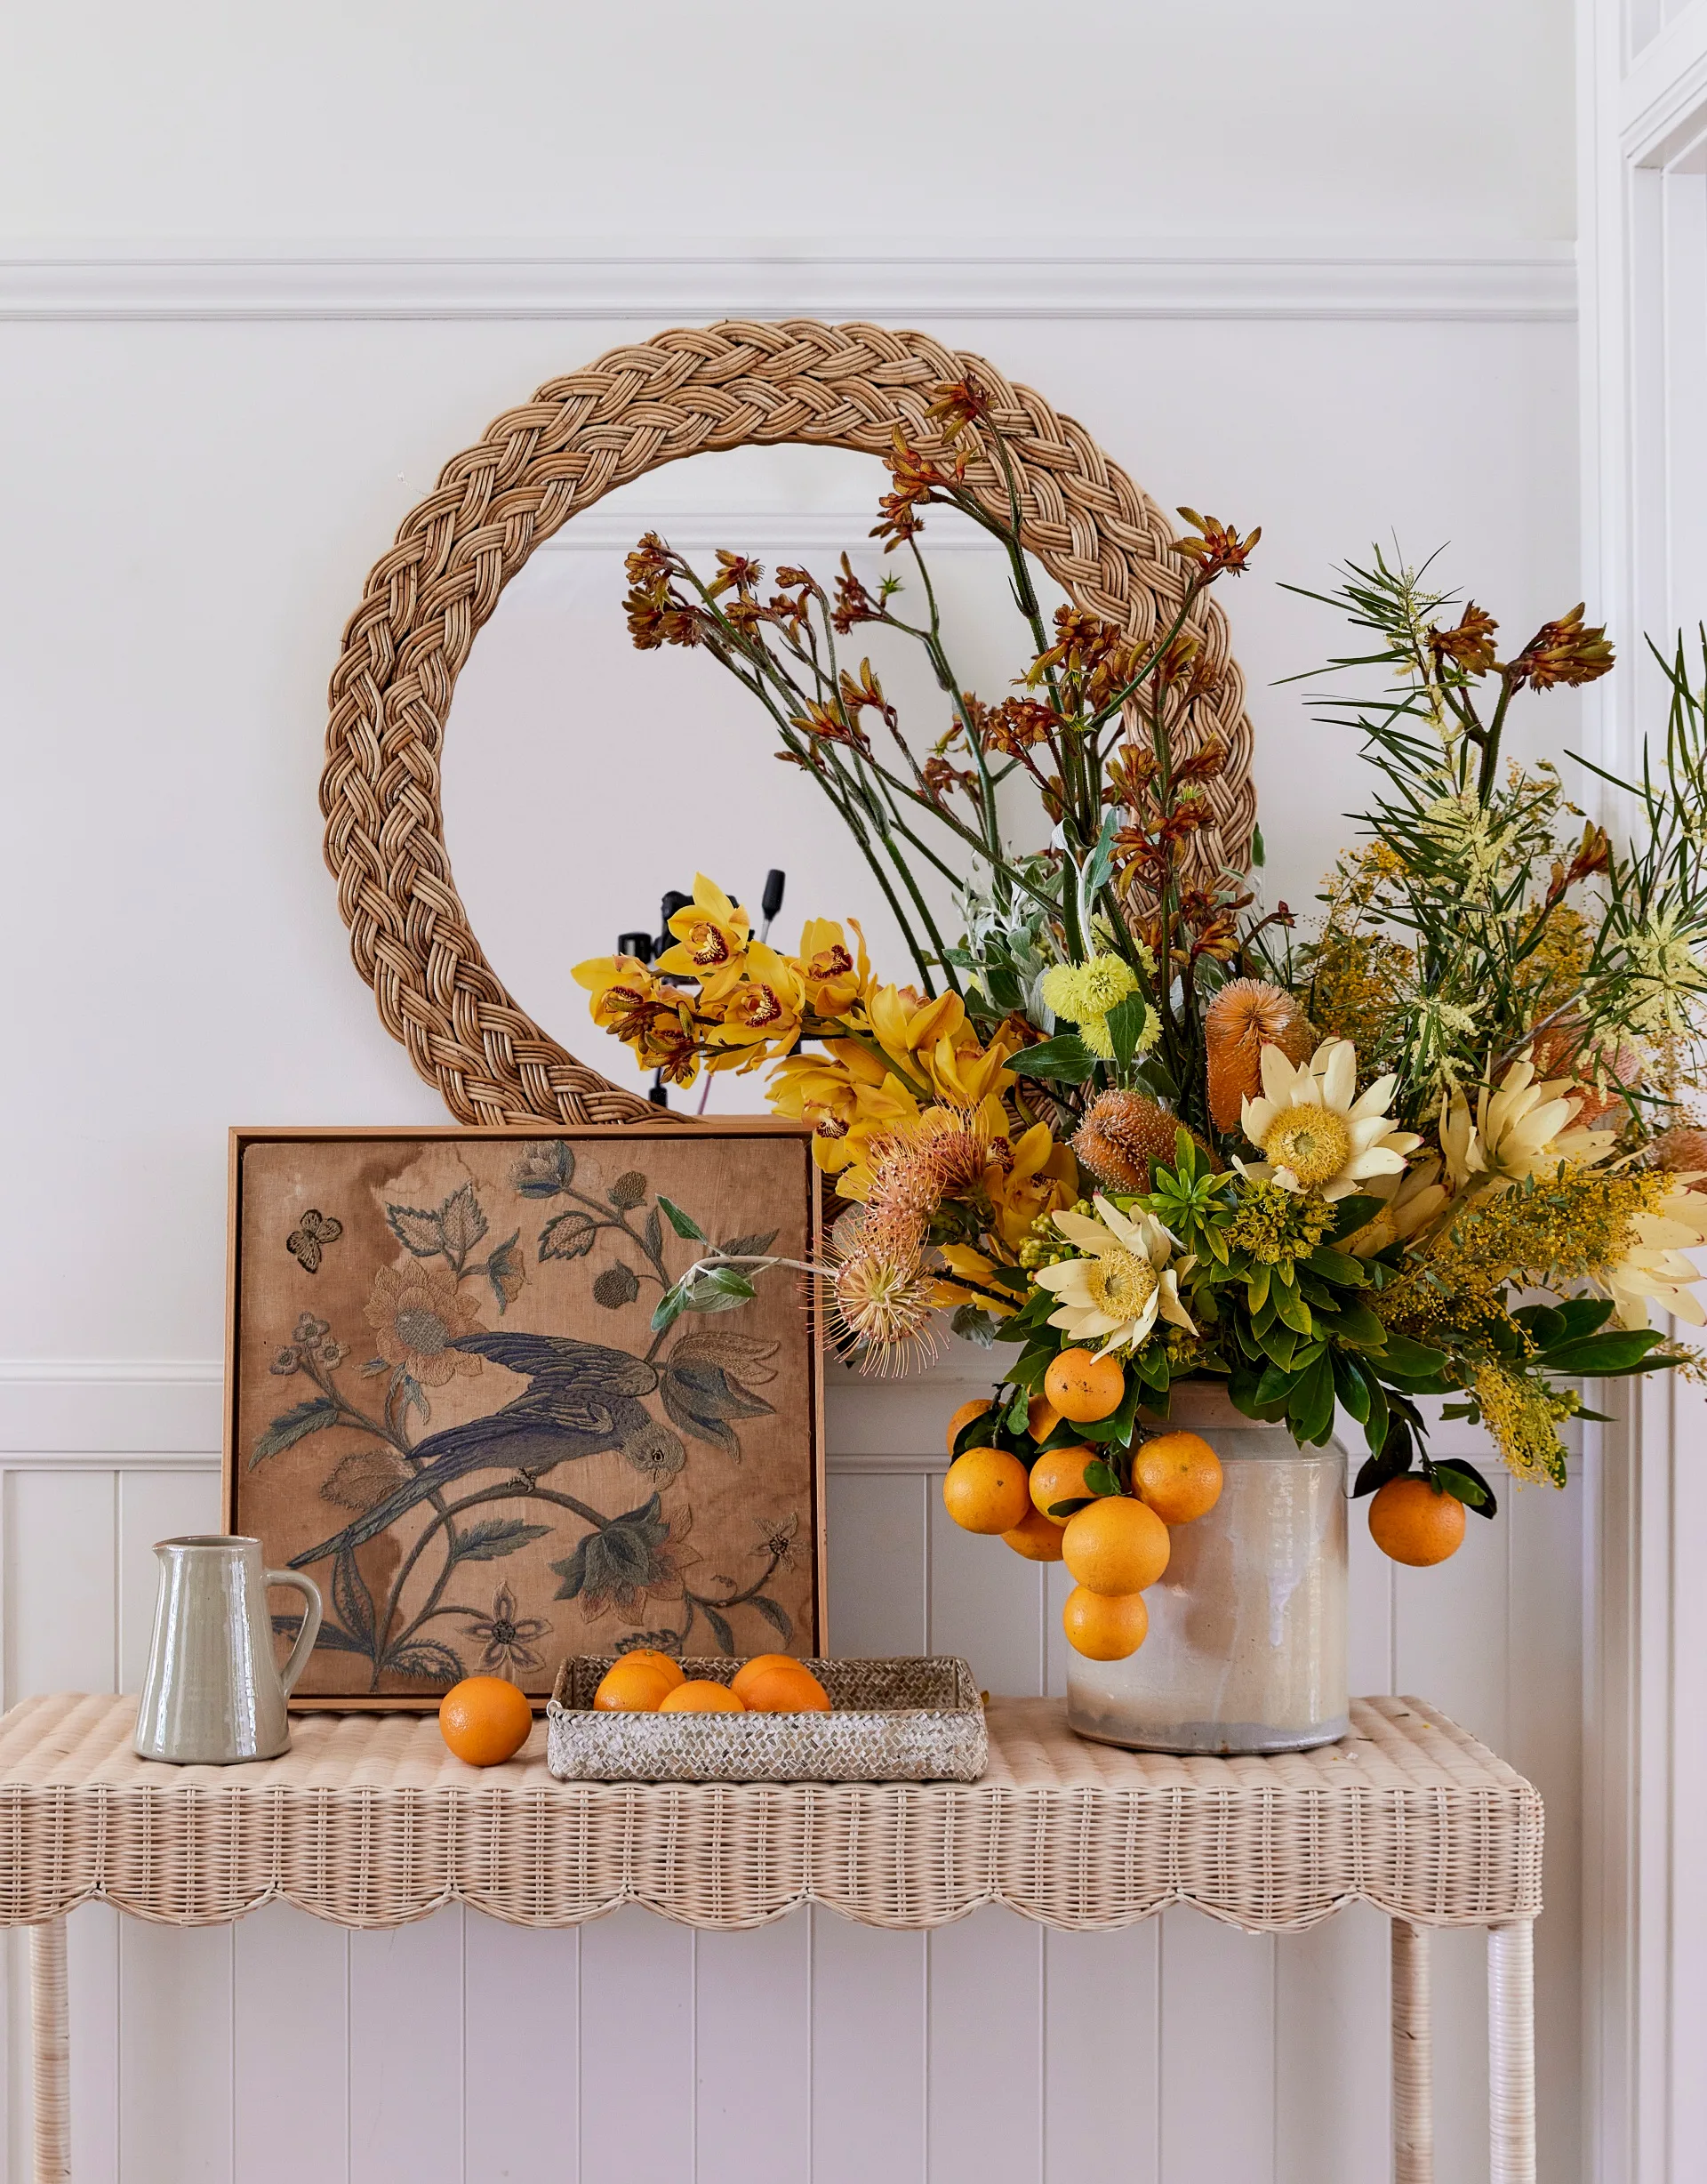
(368, 1821)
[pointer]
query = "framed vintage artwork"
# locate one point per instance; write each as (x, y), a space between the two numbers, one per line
(447, 1404)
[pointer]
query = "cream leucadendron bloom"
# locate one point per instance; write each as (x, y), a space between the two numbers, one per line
(1314, 1133)
(1117, 1292)
(1521, 1130)
(1655, 1266)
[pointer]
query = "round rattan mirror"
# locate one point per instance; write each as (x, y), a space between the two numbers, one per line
(689, 392)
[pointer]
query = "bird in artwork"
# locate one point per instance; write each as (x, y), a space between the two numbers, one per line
(581, 1399)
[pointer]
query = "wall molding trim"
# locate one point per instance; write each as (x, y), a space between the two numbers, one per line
(244, 281)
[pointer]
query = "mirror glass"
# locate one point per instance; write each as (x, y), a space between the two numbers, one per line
(583, 778)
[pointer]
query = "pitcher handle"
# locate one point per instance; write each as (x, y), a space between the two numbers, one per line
(311, 1615)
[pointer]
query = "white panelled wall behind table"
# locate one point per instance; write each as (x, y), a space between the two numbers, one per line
(462, 2052)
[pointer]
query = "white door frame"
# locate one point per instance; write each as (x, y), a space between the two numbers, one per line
(1642, 121)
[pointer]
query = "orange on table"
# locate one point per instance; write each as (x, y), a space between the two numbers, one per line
(777, 1683)
(1415, 1523)
(1115, 1546)
(1178, 1476)
(668, 1664)
(986, 1490)
(963, 1417)
(1085, 1385)
(700, 1695)
(1104, 1626)
(1036, 1536)
(1058, 1475)
(634, 1685)
(484, 1719)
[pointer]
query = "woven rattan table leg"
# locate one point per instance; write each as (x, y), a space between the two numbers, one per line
(1413, 2056)
(50, 2052)
(1511, 2052)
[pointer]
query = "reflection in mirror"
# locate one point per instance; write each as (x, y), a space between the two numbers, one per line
(583, 779)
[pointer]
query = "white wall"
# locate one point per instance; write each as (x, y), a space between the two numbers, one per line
(199, 464)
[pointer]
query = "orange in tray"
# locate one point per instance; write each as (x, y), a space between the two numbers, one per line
(700, 1695)
(670, 1668)
(635, 1684)
(484, 1719)
(777, 1683)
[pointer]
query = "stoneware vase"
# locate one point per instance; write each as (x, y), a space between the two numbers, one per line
(214, 1693)
(1246, 1647)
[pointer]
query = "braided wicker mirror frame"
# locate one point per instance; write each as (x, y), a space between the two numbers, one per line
(693, 391)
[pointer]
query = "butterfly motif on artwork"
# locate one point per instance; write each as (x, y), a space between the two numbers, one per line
(306, 1245)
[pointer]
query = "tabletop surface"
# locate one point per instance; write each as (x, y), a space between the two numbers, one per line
(369, 1821)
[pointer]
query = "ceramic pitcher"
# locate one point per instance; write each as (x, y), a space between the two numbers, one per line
(214, 1693)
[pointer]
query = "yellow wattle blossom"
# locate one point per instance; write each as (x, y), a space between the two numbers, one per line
(710, 940)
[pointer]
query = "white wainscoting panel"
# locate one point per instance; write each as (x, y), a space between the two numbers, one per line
(462, 2052)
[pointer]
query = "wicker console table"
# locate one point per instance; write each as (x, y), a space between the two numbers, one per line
(369, 1822)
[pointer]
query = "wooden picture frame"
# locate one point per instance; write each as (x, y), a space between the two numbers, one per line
(425, 1327)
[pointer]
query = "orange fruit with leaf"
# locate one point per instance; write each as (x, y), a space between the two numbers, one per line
(963, 1417)
(1417, 1522)
(1084, 1386)
(1058, 1475)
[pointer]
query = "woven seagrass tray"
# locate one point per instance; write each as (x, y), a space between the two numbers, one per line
(903, 1721)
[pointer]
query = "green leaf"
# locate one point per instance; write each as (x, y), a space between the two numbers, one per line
(1061, 1510)
(973, 1323)
(1311, 1406)
(1405, 1359)
(1127, 1021)
(1349, 1387)
(1620, 1350)
(753, 1247)
(1350, 1215)
(720, 1288)
(291, 1426)
(1337, 1266)
(1101, 1479)
(669, 1307)
(684, 1224)
(1065, 1059)
(1466, 1484)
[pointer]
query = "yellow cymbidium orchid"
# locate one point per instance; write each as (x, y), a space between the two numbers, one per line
(711, 937)
(1029, 1176)
(834, 980)
(973, 1266)
(762, 1009)
(619, 985)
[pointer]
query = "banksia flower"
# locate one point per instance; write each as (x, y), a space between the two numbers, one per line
(1682, 1150)
(1244, 1016)
(1122, 1137)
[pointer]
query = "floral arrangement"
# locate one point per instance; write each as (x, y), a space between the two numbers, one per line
(1434, 1140)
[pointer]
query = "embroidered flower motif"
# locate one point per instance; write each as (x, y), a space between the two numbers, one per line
(416, 1316)
(509, 1637)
